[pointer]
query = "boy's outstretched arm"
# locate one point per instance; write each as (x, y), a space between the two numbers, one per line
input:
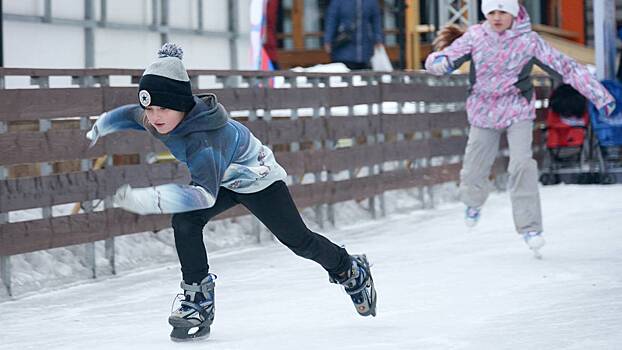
(163, 199)
(207, 167)
(128, 117)
(565, 68)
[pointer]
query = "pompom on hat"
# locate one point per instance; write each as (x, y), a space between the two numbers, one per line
(165, 82)
(509, 6)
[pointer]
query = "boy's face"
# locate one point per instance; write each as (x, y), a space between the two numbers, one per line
(499, 20)
(164, 120)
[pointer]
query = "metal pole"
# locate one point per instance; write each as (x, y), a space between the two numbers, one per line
(401, 32)
(200, 15)
(89, 35)
(473, 12)
(103, 13)
(233, 14)
(164, 21)
(604, 38)
(47, 11)
(442, 13)
(154, 14)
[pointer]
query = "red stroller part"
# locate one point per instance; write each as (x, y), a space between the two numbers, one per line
(567, 122)
(565, 131)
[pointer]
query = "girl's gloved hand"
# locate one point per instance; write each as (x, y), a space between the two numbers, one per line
(442, 64)
(608, 109)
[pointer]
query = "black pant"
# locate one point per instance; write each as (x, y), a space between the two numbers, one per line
(275, 208)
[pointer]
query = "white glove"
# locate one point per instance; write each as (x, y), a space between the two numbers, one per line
(94, 133)
(442, 64)
(608, 109)
(140, 201)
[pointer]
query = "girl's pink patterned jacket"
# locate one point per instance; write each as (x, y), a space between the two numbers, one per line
(501, 90)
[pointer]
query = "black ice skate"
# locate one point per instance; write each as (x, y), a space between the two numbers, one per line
(359, 284)
(192, 320)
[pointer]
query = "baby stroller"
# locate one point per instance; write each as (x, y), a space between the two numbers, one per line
(607, 145)
(566, 128)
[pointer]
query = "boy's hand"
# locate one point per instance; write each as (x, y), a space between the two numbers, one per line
(93, 135)
(140, 201)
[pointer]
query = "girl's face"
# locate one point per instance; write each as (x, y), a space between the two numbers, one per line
(499, 20)
(164, 120)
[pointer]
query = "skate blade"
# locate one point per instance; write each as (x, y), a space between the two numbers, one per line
(369, 308)
(182, 335)
(470, 223)
(537, 255)
(178, 322)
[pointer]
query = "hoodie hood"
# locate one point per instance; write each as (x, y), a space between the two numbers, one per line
(521, 25)
(207, 114)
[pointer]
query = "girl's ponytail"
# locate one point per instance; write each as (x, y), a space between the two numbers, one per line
(446, 36)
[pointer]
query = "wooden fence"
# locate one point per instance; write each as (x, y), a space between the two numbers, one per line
(339, 136)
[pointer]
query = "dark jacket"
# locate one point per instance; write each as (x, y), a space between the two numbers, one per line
(360, 18)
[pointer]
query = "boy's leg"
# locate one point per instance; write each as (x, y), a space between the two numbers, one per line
(479, 156)
(188, 229)
(275, 208)
(523, 182)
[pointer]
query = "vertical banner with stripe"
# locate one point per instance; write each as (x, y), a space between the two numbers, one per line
(605, 38)
(259, 57)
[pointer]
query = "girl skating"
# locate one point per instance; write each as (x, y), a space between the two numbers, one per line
(502, 51)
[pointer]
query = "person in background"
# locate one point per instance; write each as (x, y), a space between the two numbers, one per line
(270, 41)
(353, 28)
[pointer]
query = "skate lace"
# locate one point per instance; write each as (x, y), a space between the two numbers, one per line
(472, 213)
(178, 299)
(531, 234)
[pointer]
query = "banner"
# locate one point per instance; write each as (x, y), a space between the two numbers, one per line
(259, 57)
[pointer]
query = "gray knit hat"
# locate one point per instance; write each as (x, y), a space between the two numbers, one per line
(165, 82)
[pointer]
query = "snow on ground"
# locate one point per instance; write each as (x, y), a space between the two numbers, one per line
(440, 286)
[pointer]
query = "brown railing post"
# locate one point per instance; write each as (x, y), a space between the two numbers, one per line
(253, 83)
(380, 139)
(371, 139)
(329, 144)
(5, 260)
(317, 145)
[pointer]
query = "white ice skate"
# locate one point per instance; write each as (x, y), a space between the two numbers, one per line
(471, 216)
(535, 242)
(359, 284)
(192, 320)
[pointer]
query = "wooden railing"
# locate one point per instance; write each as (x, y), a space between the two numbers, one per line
(411, 133)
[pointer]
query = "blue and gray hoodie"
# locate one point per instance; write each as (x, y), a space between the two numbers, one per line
(218, 151)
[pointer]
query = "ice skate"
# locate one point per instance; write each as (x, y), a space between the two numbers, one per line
(359, 284)
(471, 216)
(192, 320)
(535, 242)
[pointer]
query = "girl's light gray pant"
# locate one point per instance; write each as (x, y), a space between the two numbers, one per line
(481, 151)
